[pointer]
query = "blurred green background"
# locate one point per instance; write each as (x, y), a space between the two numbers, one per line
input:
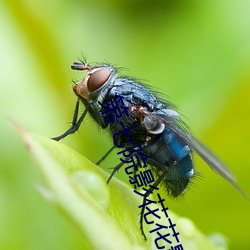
(196, 52)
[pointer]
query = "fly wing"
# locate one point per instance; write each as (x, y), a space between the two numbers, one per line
(208, 156)
(175, 124)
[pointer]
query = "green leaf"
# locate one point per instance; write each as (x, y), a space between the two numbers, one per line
(106, 215)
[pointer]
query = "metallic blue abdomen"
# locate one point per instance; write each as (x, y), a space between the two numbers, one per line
(172, 156)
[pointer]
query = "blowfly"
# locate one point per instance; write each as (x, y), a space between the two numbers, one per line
(165, 141)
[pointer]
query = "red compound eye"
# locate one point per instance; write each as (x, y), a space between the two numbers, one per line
(97, 79)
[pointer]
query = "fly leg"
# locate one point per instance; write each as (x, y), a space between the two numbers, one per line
(105, 155)
(75, 124)
(116, 168)
(145, 196)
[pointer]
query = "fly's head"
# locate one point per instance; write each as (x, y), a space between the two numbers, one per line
(96, 79)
